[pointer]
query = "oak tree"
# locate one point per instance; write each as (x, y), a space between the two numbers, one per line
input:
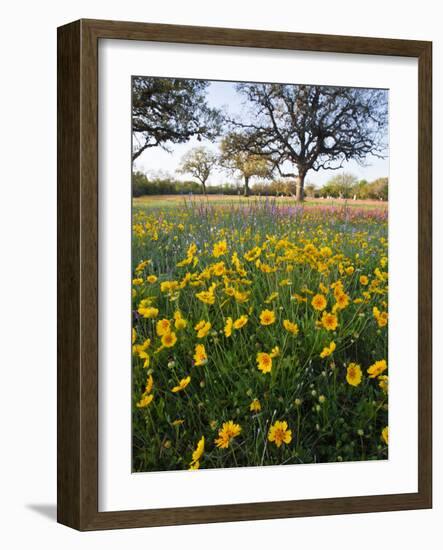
(199, 162)
(235, 158)
(313, 127)
(170, 110)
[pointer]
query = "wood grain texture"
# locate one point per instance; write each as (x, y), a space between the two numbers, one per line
(254, 38)
(68, 276)
(78, 273)
(425, 273)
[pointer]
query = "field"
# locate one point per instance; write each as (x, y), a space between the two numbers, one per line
(162, 201)
(260, 332)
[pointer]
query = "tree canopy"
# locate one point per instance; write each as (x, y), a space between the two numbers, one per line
(313, 127)
(235, 158)
(347, 186)
(170, 110)
(198, 162)
(342, 185)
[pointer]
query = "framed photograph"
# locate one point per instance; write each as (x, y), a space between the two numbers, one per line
(244, 274)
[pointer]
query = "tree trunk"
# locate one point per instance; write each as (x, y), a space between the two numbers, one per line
(300, 183)
(204, 187)
(246, 190)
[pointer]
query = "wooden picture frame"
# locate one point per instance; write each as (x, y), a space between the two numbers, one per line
(78, 273)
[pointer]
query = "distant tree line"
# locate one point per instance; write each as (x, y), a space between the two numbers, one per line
(168, 185)
(347, 186)
(344, 186)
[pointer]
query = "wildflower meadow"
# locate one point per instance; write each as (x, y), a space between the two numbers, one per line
(260, 333)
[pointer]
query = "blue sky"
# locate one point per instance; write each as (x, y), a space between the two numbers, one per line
(223, 94)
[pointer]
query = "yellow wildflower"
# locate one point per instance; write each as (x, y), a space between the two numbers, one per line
(328, 350)
(255, 405)
(271, 297)
(140, 349)
(219, 249)
(253, 254)
(318, 302)
(290, 326)
(323, 288)
(218, 269)
(206, 296)
(189, 256)
(264, 362)
(265, 268)
(342, 300)
(228, 431)
(142, 265)
(267, 317)
(197, 454)
(241, 297)
(383, 382)
(380, 316)
(178, 422)
(329, 321)
(377, 368)
(353, 374)
(202, 328)
(181, 385)
(146, 310)
(279, 433)
(179, 322)
(200, 356)
(145, 401)
(169, 339)
(168, 286)
(240, 322)
(300, 299)
(228, 327)
(149, 384)
(163, 327)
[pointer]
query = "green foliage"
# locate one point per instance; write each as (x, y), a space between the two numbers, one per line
(170, 110)
(277, 187)
(341, 185)
(142, 185)
(236, 159)
(199, 162)
(378, 189)
(311, 190)
(346, 186)
(167, 185)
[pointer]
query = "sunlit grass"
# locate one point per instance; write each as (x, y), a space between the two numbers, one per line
(174, 201)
